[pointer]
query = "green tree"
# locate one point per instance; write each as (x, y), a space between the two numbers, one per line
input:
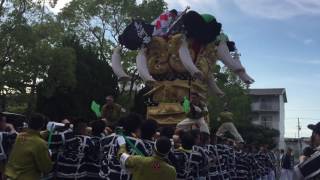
(30, 49)
(94, 78)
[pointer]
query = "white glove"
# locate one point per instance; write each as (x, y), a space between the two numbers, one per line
(51, 126)
(121, 141)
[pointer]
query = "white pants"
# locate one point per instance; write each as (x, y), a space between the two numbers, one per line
(188, 123)
(286, 174)
(229, 127)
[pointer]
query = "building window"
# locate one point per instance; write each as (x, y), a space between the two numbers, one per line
(264, 104)
(266, 121)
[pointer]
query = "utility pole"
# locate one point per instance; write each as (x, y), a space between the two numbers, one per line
(299, 139)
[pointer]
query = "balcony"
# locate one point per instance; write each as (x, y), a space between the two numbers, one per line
(264, 107)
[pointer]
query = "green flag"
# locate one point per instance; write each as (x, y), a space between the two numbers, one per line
(186, 105)
(95, 107)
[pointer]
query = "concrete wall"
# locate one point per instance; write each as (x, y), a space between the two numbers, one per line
(281, 122)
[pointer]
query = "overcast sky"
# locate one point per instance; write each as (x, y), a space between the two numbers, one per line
(279, 43)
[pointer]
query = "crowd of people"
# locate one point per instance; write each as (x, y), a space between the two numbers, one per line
(80, 150)
(130, 147)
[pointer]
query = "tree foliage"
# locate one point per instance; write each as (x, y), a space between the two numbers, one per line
(94, 78)
(34, 56)
(30, 50)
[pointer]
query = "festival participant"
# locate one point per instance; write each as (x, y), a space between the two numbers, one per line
(272, 165)
(167, 132)
(58, 138)
(200, 141)
(260, 168)
(56, 134)
(186, 161)
(147, 168)
(71, 160)
(170, 133)
(8, 135)
(196, 116)
(202, 148)
(287, 165)
(30, 155)
(253, 165)
(230, 143)
(241, 161)
(94, 155)
(230, 155)
(219, 160)
(111, 111)
(277, 163)
(281, 155)
(306, 153)
(148, 132)
(251, 162)
(226, 120)
(267, 162)
(280, 160)
(111, 168)
(309, 167)
(264, 162)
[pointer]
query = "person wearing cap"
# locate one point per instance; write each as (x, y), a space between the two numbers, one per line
(147, 168)
(315, 137)
(309, 167)
(111, 111)
(226, 120)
